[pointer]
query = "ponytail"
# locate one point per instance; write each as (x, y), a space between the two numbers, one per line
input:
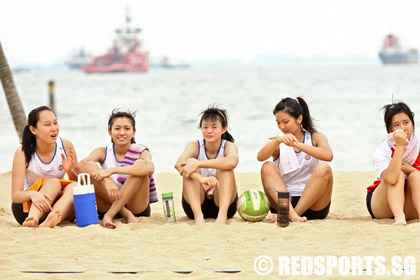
(28, 143)
(296, 107)
(307, 121)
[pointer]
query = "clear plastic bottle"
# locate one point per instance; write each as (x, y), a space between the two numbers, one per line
(283, 209)
(168, 207)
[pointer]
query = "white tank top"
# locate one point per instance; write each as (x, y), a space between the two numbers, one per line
(202, 155)
(111, 161)
(296, 181)
(53, 169)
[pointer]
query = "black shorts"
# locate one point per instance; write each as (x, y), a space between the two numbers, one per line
(369, 201)
(20, 216)
(309, 214)
(145, 213)
(209, 208)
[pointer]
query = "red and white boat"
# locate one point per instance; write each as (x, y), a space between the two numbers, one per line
(125, 55)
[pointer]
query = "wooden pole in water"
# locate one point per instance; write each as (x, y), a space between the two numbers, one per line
(51, 86)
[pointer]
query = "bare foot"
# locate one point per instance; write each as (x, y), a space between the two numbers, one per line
(131, 218)
(52, 219)
(272, 217)
(30, 222)
(221, 219)
(400, 221)
(199, 221)
(293, 217)
(107, 223)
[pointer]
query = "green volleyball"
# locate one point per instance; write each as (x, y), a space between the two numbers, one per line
(253, 205)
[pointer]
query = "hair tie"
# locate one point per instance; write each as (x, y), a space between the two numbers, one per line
(220, 112)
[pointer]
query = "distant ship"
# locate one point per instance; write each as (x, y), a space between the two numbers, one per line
(165, 62)
(392, 53)
(124, 56)
(79, 59)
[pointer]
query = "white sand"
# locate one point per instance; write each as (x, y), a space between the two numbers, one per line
(152, 245)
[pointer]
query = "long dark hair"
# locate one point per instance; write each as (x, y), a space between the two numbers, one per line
(116, 113)
(296, 107)
(216, 114)
(395, 108)
(28, 139)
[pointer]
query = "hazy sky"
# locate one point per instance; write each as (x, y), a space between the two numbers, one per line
(47, 31)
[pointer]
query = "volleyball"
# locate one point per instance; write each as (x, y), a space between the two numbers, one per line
(253, 206)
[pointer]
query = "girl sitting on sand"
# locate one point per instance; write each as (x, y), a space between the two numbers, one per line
(121, 172)
(209, 188)
(298, 163)
(39, 193)
(396, 193)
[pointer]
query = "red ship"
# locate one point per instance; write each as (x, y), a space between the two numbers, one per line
(125, 55)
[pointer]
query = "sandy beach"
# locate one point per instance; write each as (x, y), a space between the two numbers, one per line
(154, 249)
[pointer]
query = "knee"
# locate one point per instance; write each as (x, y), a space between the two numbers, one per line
(53, 182)
(414, 176)
(220, 173)
(268, 168)
(323, 170)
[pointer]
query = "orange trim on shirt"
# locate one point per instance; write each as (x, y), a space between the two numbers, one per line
(37, 185)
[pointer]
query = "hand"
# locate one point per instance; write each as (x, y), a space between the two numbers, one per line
(400, 138)
(209, 183)
(101, 174)
(41, 201)
(113, 191)
(190, 167)
(406, 168)
(288, 139)
(68, 161)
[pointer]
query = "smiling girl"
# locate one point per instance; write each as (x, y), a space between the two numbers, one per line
(396, 193)
(298, 165)
(39, 193)
(209, 188)
(130, 196)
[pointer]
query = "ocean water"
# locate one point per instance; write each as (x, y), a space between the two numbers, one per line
(345, 101)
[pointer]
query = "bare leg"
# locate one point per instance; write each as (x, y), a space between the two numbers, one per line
(65, 203)
(412, 196)
(102, 198)
(318, 190)
(51, 187)
(271, 178)
(130, 187)
(194, 195)
(225, 194)
(388, 201)
(138, 202)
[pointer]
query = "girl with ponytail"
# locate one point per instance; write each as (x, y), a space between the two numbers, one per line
(206, 165)
(39, 193)
(299, 163)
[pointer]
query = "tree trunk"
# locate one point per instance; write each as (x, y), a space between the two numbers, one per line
(12, 96)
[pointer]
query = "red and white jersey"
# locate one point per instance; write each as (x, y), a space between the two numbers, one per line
(385, 151)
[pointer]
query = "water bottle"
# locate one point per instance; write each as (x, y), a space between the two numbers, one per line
(283, 209)
(168, 207)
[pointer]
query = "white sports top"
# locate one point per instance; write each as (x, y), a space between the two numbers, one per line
(202, 155)
(111, 161)
(296, 181)
(53, 169)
